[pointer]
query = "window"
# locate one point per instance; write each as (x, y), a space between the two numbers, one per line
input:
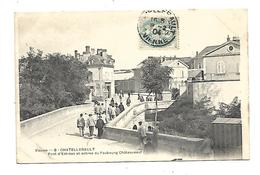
(230, 48)
(182, 73)
(199, 66)
(221, 67)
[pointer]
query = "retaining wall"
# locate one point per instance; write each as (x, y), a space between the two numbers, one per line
(174, 144)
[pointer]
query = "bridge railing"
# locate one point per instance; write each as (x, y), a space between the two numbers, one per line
(123, 119)
(45, 121)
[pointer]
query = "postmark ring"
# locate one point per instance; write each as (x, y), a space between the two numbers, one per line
(157, 28)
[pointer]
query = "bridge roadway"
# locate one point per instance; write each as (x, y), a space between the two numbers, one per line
(41, 147)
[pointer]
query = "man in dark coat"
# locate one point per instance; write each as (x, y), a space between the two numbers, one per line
(100, 126)
(121, 107)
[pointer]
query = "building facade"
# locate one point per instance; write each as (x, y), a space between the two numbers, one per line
(220, 62)
(216, 72)
(101, 67)
(124, 81)
(179, 74)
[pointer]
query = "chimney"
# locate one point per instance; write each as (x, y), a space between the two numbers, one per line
(235, 38)
(228, 39)
(99, 52)
(197, 53)
(104, 52)
(87, 49)
(92, 51)
(76, 53)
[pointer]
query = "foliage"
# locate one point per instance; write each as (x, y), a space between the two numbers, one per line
(188, 119)
(175, 93)
(232, 110)
(50, 82)
(154, 76)
(185, 118)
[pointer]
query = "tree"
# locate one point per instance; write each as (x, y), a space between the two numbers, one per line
(154, 77)
(50, 82)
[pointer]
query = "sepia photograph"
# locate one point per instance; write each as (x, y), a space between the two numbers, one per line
(130, 86)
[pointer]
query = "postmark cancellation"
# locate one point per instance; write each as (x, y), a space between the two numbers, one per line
(158, 29)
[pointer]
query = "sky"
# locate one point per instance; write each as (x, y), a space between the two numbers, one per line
(117, 32)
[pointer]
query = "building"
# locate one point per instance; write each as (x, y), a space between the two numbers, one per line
(124, 80)
(179, 75)
(216, 71)
(220, 62)
(101, 66)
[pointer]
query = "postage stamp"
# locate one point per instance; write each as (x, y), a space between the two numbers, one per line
(88, 92)
(158, 28)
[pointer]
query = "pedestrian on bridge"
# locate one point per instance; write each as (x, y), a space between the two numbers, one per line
(117, 109)
(141, 134)
(113, 112)
(81, 125)
(91, 124)
(128, 101)
(100, 125)
(112, 102)
(121, 107)
(103, 109)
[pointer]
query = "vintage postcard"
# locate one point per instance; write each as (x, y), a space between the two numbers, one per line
(114, 86)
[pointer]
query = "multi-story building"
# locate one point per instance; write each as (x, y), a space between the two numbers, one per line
(220, 62)
(179, 74)
(216, 71)
(101, 66)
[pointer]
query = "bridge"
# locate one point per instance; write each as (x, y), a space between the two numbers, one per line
(54, 137)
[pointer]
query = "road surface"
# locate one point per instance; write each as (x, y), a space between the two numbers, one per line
(62, 143)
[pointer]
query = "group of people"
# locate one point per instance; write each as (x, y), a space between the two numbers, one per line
(147, 143)
(149, 98)
(91, 124)
(104, 115)
(114, 108)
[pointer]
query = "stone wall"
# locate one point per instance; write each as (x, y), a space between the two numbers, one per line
(218, 91)
(182, 146)
(45, 121)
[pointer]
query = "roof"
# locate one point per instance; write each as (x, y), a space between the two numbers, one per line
(99, 60)
(224, 44)
(168, 62)
(194, 73)
(123, 71)
(210, 49)
(187, 61)
(96, 59)
(123, 74)
(206, 50)
(227, 121)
